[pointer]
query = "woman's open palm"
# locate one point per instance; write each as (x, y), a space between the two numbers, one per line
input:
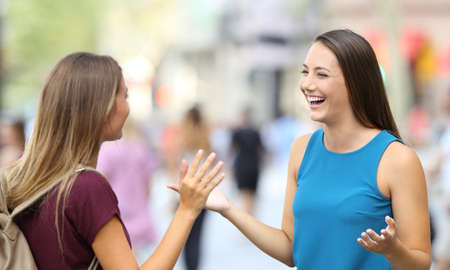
(217, 201)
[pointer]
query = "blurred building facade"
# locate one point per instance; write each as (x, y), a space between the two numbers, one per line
(234, 53)
(231, 54)
(412, 44)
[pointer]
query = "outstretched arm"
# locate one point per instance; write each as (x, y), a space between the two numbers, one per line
(275, 242)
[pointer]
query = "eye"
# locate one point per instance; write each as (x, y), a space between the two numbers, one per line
(304, 72)
(322, 74)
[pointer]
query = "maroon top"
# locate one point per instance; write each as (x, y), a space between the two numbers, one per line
(90, 205)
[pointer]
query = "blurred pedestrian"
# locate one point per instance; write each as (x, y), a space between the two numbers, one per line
(84, 103)
(129, 164)
(194, 133)
(12, 140)
(356, 195)
(246, 143)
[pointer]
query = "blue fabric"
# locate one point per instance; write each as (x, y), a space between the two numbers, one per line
(336, 200)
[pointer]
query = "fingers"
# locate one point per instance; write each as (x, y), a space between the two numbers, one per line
(368, 240)
(376, 237)
(194, 166)
(389, 232)
(390, 222)
(378, 243)
(363, 244)
(213, 172)
(211, 185)
(198, 173)
(205, 166)
(211, 181)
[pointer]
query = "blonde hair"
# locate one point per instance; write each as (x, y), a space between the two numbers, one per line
(73, 108)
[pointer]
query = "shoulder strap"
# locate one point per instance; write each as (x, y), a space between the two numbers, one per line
(33, 199)
(94, 264)
(41, 193)
(87, 168)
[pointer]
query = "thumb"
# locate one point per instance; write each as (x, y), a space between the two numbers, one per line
(173, 187)
(391, 223)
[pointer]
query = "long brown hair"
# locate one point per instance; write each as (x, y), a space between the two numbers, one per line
(73, 108)
(362, 75)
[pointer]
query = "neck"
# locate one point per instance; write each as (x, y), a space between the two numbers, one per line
(347, 137)
(93, 161)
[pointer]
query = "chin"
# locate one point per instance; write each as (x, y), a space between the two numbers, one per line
(316, 117)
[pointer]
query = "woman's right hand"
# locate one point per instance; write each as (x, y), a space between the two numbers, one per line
(197, 182)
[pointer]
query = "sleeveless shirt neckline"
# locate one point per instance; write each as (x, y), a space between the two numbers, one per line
(351, 152)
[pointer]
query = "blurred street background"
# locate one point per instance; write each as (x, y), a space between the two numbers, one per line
(226, 56)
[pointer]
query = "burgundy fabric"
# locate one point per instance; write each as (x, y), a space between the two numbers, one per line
(90, 205)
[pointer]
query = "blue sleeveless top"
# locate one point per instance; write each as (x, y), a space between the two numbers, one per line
(336, 200)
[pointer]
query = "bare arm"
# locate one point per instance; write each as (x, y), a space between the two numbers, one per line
(406, 241)
(275, 242)
(110, 244)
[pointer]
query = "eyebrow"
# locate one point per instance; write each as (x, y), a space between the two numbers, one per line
(317, 68)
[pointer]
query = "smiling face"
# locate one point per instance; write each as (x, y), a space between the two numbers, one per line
(324, 87)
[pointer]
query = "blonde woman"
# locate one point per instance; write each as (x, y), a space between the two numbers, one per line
(82, 104)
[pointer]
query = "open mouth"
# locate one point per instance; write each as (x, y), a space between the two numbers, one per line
(315, 100)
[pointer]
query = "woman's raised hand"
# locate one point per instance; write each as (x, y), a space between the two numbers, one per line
(197, 181)
(197, 187)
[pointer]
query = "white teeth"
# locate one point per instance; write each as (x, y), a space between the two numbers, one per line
(315, 99)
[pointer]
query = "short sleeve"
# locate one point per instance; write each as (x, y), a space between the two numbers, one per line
(91, 204)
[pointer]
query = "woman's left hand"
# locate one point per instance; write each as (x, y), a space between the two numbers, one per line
(383, 243)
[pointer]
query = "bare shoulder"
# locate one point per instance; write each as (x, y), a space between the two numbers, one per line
(400, 164)
(399, 157)
(298, 149)
(300, 143)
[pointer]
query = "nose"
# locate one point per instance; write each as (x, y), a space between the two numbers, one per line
(307, 84)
